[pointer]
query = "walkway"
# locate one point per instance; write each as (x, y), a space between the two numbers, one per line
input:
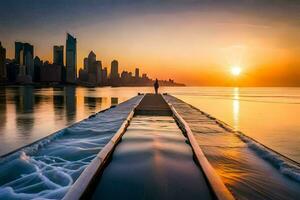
(153, 160)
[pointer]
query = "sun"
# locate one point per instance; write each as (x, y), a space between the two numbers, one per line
(236, 71)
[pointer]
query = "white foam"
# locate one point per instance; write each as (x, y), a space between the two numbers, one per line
(285, 165)
(47, 168)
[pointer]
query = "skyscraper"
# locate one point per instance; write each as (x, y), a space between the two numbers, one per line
(29, 64)
(94, 69)
(51, 72)
(58, 55)
(92, 76)
(137, 73)
(18, 48)
(114, 71)
(71, 53)
(26, 47)
(104, 76)
(85, 63)
(22, 67)
(24, 53)
(23, 76)
(3, 74)
(92, 62)
(99, 72)
(37, 69)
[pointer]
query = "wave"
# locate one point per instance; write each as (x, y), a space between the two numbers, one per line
(48, 167)
(284, 164)
(44, 177)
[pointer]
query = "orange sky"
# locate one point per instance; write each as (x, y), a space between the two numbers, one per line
(194, 46)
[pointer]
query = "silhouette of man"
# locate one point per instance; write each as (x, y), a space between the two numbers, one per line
(156, 86)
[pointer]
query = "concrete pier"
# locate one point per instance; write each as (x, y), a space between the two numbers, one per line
(153, 104)
(151, 159)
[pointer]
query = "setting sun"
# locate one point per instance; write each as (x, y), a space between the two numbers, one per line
(236, 71)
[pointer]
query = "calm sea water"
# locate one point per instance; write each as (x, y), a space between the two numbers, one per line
(269, 115)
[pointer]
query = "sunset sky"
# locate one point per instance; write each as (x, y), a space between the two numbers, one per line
(196, 42)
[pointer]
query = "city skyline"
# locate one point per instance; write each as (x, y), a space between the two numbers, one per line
(28, 68)
(59, 56)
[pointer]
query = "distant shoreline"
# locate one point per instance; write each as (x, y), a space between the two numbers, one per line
(133, 86)
(80, 85)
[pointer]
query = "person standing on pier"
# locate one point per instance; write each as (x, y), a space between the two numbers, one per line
(156, 86)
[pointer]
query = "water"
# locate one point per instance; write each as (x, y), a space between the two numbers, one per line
(28, 113)
(269, 115)
(242, 163)
(47, 169)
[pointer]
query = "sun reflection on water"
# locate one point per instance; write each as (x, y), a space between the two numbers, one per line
(236, 108)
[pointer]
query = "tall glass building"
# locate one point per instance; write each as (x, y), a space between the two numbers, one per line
(27, 49)
(114, 72)
(71, 63)
(3, 76)
(58, 55)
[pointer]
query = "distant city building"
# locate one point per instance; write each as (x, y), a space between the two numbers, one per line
(12, 70)
(124, 74)
(22, 71)
(19, 46)
(38, 63)
(137, 73)
(92, 68)
(85, 63)
(29, 64)
(91, 72)
(83, 75)
(98, 72)
(91, 62)
(58, 59)
(51, 73)
(24, 53)
(3, 72)
(144, 76)
(21, 59)
(114, 70)
(23, 77)
(71, 56)
(104, 78)
(25, 48)
(58, 55)
(126, 77)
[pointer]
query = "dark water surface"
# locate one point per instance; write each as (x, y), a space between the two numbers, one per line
(29, 113)
(47, 169)
(269, 115)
